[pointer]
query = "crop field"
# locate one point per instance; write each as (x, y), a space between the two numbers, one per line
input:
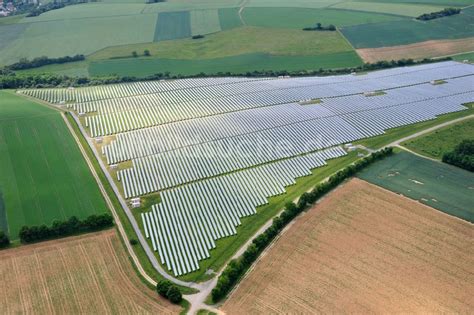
(41, 38)
(303, 17)
(395, 33)
(438, 185)
(363, 249)
(172, 138)
(412, 10)
(36, 148)
(204, 22)
(443, 140)
(173, 25)
(235, 64)
(229, 18)
(90, 274)
(165, 29)
(428, 49)
(238, 50)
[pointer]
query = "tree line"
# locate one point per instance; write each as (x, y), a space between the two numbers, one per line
(11, 80)
(4, 240)
(169, 291)
(43, 61)
(438, 14)
(73, 225)
(236, 268)
(462, 156)
(320, 27)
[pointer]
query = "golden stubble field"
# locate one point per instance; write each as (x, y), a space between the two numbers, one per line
(427, 49)
(89, 274)
(363, 250)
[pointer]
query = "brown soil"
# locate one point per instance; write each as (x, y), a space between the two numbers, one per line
(364, 250)
(89, 274)
(428, 49)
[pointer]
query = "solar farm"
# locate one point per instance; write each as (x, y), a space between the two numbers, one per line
(215, 149)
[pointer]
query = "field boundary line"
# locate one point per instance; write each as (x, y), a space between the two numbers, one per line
(428, 130)
(111, 207)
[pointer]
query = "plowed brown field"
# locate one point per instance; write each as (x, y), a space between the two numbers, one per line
(428, 49)
(90, 274)
(364, 249)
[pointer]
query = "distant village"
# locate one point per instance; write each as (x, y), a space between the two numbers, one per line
(6, 8)
(10, 7)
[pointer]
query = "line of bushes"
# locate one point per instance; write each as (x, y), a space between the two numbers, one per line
(30, 234)
(237, 267)
(4, 240)
(462, 156)
(43, 61)
(169, 291)
(11, 80)
(438, 14)
(320, 27)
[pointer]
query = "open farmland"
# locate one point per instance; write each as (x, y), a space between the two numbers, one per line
(363, 249)
(90, 274)
(240, 64)
(441, 186)
(44, 177)
(173, 138)
(238, 51)
(164, 27)
(441, 141)
(427, 49)
(396, 33)
(303, 17)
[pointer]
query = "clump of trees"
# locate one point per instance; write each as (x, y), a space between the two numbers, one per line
(462, 156)
(168, 290)
(4, 240)
(197, 36)
(43, 61)
(11, 80)
(320, 27)
(73, 225)
(237, 267)
(439, 14)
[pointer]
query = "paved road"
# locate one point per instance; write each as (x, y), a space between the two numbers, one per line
(425, 131)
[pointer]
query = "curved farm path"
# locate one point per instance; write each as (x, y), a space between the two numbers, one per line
(242, 5)
(428, 130)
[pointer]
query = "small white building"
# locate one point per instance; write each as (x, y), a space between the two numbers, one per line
(135, 202)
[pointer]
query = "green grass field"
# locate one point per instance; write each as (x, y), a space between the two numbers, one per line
(43, 174)
(443, 140)
(113, 29)
(229, 18)
(238, 50)
(76, 36)
(204, 22)
(301, 17)
(411, 31)
(441, 186)
(404, 9)
(142, 67)
(172, 25)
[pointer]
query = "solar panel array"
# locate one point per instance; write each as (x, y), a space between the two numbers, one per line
(215, 149)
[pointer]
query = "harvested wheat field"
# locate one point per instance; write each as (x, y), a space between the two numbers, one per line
(364, 249)
(90, 274)
(427, 49)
